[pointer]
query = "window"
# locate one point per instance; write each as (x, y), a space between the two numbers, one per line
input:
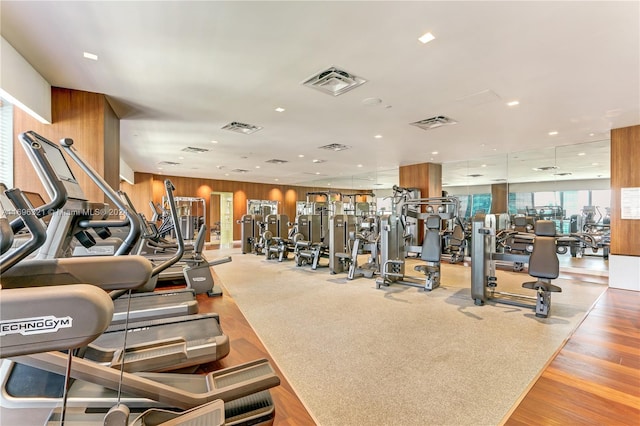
(481, 203)
(519, 201)
(574, 201)
(6, 143)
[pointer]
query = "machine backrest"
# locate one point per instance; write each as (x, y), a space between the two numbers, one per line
(543, 262)
(458, 233)
(432, 245)
(198, 245)
(6, 235)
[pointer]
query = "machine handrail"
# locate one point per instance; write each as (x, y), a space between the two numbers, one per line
(38, 233)
(135, 230)
(49, 176)
(169, 188)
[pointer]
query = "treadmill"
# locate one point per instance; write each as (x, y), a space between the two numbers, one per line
(81, 312)
(157, 344)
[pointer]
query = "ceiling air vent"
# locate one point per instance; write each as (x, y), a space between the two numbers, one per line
(240, 171)
(276, 161)
(334, 81)
(434, 122)
(545, 168)
(168, 163)
(247, 129)
(562, 174)
(194, 149)
(334, 147)
(474, 175)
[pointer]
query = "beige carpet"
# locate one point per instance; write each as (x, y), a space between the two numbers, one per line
(357, 355)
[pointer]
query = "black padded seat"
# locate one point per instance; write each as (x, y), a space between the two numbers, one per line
(544, 265)
(432, 245)
(543, 262)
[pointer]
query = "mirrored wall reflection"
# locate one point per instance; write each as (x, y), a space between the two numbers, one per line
(570, 179)
(376, 180)
(474, 182)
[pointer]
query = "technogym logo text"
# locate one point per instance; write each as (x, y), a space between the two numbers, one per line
(35, 325)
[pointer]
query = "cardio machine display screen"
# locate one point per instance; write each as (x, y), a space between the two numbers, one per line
(57, 161)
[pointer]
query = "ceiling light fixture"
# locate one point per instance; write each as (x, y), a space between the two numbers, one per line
(214, 141)
(359, 165)
(91, 56)
(580, 154)
(513, 103)
(592, 134)
(434, 152)
(301, 155)
(276, 179)
(257, 167)
(378, 136)
(280, 109)
(426, 38)
(553, 133)
(595, 164)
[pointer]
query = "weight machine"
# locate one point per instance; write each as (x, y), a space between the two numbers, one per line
(396, 245)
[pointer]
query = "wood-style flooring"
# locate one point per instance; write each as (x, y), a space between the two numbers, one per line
(595, 378)
(246, 346)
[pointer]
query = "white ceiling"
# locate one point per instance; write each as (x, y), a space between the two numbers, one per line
(176, 72)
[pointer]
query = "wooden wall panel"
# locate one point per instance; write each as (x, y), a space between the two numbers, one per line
(625, 173)
(427, 177)
(499, 198)
(111, 146)
(77, 115)
(140, 193)
(150, 186)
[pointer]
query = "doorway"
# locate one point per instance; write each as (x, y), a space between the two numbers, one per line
(221, 219)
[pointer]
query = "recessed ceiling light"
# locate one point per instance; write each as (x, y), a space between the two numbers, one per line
(257, 167)
(378, 136)
(214, 141)
(91, 56)
(580, 154)
(426, 38)
(226, 174)
(180, 158)
(301, 155)
(553, 133)
(276, 179)
(434, 152)
(592, 134)
(359, 165)
(483, 165)
(595, 164)
(159, 168)
(280, 109)
(317, 173)
(328, 184)
(513, 103)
